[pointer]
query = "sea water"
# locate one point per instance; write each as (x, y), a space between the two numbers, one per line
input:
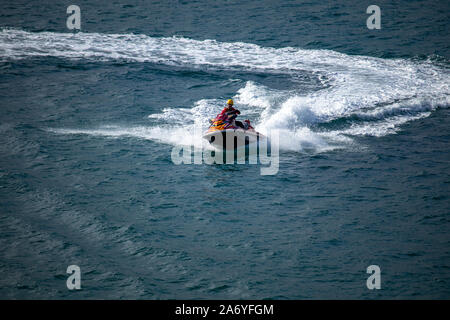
(89, 120)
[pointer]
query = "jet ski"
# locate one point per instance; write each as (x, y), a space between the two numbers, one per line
(227, 135)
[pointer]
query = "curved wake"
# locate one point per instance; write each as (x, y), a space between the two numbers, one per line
(338, 96)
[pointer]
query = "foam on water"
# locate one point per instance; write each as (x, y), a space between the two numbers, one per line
(364, 95)
(171, 135)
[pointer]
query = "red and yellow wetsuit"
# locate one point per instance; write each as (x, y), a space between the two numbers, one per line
(224, 120)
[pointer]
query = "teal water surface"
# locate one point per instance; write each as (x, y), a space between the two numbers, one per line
(89, 119)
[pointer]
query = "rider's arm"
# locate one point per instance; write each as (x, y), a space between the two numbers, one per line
(234, 111)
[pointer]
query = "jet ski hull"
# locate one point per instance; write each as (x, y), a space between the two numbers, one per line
(229, 139)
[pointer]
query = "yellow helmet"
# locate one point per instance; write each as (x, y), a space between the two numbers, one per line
(230, 101)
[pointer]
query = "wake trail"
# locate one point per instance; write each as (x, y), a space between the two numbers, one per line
(351, 95)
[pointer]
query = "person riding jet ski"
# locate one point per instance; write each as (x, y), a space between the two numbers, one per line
(230, 114)
(242, 133)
